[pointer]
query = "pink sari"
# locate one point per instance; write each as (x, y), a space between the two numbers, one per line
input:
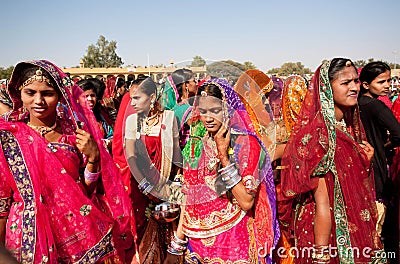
(49, 190)
(50, 217)
(219, 231)
(230, 236)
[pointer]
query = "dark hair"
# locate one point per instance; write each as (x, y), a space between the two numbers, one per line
(94, 84)
(120, 82)
(337, 64)
(211, 90)
(148, 86)
(139, 79)
(98, 87)
(180, 77)
(370, 71)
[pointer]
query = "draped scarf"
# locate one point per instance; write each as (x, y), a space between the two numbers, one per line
(317, 149)
(73, 111)
(252, 87)
(240, 123)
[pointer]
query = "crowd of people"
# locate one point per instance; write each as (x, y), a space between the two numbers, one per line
(264, 170)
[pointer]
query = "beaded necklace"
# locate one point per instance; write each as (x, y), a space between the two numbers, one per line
(42, 130)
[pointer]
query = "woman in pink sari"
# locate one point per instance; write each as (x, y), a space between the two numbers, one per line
(51, 211)
(229, 207)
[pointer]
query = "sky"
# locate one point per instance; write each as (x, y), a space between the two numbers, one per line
(266, 33)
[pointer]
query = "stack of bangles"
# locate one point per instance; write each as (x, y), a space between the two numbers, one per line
(230, 176)
(145, 187)
(91, 176)
(177, 246)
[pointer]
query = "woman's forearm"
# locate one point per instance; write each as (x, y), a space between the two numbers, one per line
(3, 221)
(244, 199)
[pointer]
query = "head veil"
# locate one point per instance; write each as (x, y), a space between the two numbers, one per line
(275, 95)
(311, 147)
(4, 97)
(252, 88)
(240, 123)
(311, 153)
(73, 112)
(111, 83)
(170, 100)
(294, 92)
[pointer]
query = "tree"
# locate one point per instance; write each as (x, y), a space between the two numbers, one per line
(289, 68)
(5, 73)
(249, 65)
(227, 69)
(360, 63)
(197, 62)
(102, 54)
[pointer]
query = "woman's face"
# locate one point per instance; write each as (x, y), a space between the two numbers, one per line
(345, 87)
(91, 98)
(192, 86)
(211, 113)
(276, 109)
(380, 86)
(141, 102)
(40, 100)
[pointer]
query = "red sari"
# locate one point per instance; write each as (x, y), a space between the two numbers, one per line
(316, 149)
(153, 236)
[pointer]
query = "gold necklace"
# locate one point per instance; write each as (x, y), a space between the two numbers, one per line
(42, 130)
(146, 127)
(341, 125)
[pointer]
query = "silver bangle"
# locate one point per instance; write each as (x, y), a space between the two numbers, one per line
(227, 168)
(233, 181)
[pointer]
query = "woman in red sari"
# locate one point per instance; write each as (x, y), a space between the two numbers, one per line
(326, 160)
(50, 207)
(151, 146)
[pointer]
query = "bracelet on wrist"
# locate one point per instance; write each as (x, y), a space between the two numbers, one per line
(177, 245)
(230, 176)
(145, 187)
(91, 176)
(180, 241)
(233, 181)
(93, 162)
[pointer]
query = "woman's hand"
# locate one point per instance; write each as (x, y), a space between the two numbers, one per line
(368, 149)
(109, 102)
(86, 144)
(222, 139)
